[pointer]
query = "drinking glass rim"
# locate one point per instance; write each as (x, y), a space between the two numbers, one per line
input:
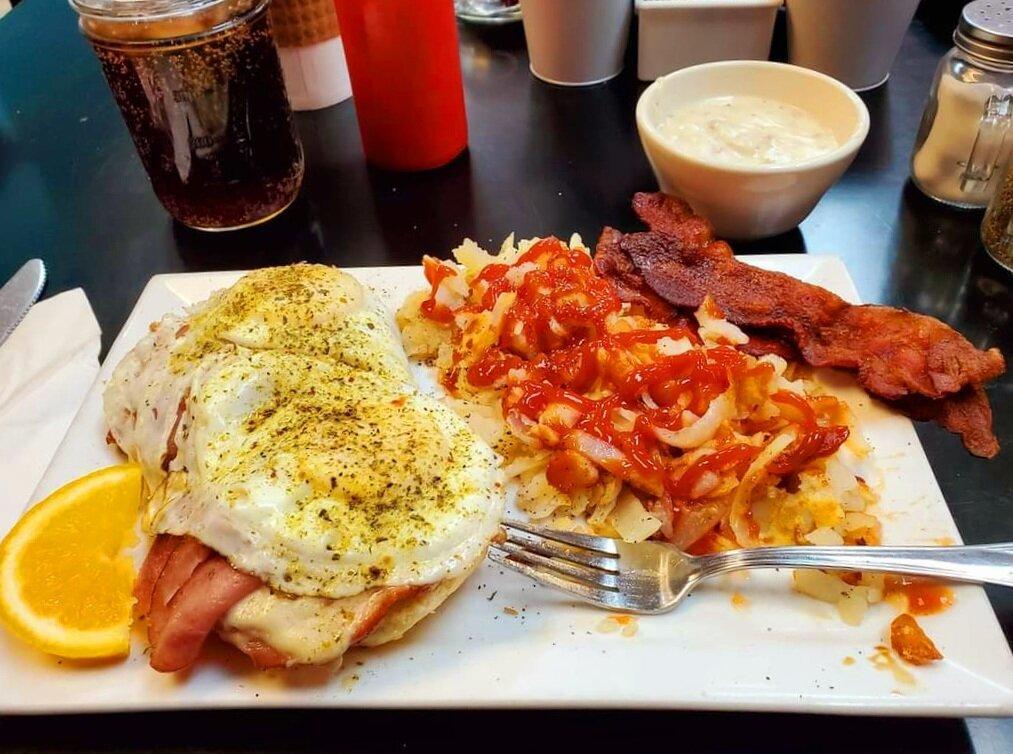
(133, 11)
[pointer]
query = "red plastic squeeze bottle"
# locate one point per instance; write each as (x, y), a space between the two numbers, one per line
(406, 80)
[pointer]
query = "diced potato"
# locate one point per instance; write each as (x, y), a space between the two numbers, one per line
(820, 585)
(824, 536)
(422, 337)
(632, 520)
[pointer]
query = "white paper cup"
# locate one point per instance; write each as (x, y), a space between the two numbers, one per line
(855, 41)
(576, 42)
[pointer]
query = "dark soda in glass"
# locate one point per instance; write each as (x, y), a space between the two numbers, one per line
(200, 88)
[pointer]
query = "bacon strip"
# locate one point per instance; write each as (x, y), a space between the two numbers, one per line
(195, 609)
(967, 413)
(898, 355)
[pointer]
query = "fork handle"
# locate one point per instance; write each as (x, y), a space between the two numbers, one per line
(978, 564)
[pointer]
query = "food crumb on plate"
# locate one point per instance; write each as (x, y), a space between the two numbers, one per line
(911, 643)
(625, 625)
(740, 601)
(884, 659)
(349, 681)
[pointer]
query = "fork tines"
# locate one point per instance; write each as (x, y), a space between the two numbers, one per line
(583, 565)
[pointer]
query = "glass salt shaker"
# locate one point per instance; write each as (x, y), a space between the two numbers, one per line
(965, 134)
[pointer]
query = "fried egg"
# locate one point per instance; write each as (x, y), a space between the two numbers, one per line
(278, 424)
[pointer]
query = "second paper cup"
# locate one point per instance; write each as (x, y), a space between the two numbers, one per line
(576, 42)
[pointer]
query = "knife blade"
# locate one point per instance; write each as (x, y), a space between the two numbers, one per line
(18, 295)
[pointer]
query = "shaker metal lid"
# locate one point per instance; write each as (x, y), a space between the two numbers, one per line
(985, 30)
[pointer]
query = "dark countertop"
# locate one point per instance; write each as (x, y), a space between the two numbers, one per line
(542, 160)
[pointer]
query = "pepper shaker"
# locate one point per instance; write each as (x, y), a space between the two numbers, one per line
(964, 137)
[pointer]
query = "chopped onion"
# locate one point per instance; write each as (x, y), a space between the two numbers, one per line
(624, 419)
(599, 451)
(503, 303)
(707, 483)
(611, 459)
(560, 414)
(515, 275)
(775, 361)
(738, 518)
(556, 328)
(521, 425)
(696, 434)
(716, 329)
(672, 347)
(690, 525)
(448, 295)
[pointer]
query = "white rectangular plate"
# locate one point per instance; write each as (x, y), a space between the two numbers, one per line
(772, 650)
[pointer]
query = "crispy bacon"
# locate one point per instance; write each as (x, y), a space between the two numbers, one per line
(966, 413)
(925, 366)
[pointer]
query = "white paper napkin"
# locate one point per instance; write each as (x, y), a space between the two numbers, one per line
(46, 367)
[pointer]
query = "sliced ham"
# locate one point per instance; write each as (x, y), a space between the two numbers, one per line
(195, 609)
(180, 566)
(186, 589)
(264, 656)
(151, 570)
(377, 606)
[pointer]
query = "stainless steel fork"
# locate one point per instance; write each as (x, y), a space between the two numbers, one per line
(652, 577)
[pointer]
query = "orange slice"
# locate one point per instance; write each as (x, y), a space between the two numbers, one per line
(65, 582)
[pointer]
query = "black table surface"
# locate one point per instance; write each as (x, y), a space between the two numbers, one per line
(542, 160)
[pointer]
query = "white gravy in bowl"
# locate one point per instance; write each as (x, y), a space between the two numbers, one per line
(748, 131)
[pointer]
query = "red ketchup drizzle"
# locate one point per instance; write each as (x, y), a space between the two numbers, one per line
(554, 346)
(436, 273)
(815, 442)
(725, 459)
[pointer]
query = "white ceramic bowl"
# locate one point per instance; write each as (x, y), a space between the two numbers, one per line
(751, 202)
